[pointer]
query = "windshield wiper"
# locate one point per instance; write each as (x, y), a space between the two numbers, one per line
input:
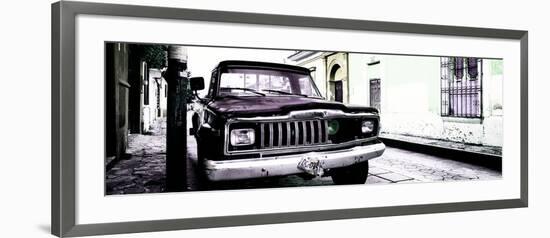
(283, 92)
(245, 89)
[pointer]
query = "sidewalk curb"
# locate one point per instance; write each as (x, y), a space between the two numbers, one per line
(482, 159)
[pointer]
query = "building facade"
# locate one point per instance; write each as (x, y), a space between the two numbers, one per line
(448, 98)
(135, 97)
(117, 90)
(155, 92)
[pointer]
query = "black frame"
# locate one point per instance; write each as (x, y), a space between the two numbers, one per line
(63, 117)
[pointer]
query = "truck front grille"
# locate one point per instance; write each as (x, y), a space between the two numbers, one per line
(293, 133)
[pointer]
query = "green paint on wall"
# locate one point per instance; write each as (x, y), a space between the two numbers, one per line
(496, 67)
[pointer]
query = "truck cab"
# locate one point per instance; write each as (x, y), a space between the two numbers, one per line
(262, 119)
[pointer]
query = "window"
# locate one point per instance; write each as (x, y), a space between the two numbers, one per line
(213, 79)
(270, 82)
(306, 87)
(254, 81)
(461, 88)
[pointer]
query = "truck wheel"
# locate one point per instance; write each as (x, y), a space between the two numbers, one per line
(195, 124)
(205, 184)
(200, 158)
(354, 174)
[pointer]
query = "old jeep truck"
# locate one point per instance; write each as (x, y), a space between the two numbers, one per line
(266, 120)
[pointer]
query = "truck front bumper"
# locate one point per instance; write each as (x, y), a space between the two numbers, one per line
(288, 164)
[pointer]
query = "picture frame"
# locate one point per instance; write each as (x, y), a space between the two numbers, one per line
(64, 207)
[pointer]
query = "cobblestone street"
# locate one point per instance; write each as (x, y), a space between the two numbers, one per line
(143, 169)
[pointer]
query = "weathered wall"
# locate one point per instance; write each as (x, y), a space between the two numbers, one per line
(358, 79)
(411, 102)
(163, 97)
(492, 101)
(411, 95)
(116, 99)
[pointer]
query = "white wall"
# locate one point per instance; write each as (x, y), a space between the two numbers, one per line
(411, 98)
(410, 95)
(358, 79)
(319, 74)
(150, 111)
(26, 142)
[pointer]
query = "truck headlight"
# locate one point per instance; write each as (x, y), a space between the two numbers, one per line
(367, 127)
(333, 127)
(242, 137)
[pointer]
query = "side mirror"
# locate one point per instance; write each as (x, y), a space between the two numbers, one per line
(196, 83)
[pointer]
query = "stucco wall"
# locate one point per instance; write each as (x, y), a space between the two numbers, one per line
(358, 79)
(411, 95)
(319, 75)
(411, 102)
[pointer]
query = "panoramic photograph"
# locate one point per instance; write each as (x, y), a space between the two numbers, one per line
(197, 118)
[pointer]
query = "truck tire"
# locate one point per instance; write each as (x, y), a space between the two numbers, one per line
(205, 184)
(200, 157)
(195, 124)
(354, 174)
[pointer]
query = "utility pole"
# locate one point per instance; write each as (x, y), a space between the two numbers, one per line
(176, 129)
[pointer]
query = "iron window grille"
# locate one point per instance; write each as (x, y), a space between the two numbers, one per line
(461, 87)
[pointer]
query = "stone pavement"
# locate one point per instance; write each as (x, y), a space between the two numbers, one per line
(397, 165)
(142, 170)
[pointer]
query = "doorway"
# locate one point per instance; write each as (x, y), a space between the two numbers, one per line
(338, 91)
(336, 85)
(374, 90)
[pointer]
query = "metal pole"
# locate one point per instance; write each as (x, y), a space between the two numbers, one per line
(176, 133)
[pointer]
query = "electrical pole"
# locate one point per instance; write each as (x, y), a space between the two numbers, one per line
(176, 129)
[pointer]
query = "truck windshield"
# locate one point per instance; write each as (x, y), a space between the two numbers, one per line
(254, 82)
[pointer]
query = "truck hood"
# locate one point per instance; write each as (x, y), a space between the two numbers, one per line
(276, 105)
